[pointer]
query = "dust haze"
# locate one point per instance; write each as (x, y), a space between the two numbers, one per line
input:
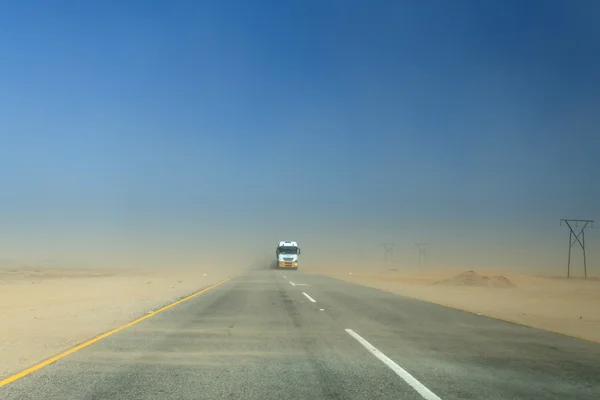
(58, 290)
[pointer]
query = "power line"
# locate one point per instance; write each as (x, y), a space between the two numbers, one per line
(422, 252)
(577, 238)
(388, 252)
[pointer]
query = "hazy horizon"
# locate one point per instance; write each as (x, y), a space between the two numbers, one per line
(180, 134)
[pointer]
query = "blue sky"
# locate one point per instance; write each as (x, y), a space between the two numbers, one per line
(179, 122)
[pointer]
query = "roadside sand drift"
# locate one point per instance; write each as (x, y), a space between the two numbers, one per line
(567, 306)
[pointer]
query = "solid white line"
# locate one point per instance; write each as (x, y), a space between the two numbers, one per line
(308, 297)
(292, 283)
(408, 378)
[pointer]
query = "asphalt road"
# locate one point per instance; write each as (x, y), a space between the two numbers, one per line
(289, 335)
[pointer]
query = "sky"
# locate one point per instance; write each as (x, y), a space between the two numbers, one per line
(173, 131)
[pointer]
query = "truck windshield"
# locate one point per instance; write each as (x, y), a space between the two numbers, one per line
(288, 250)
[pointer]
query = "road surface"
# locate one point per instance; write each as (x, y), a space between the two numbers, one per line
(289, 335)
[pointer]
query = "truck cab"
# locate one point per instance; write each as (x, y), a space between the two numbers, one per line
(287, 254)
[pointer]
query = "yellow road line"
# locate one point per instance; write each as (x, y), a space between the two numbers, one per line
(104, 335)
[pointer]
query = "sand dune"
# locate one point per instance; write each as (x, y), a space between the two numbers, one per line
(472, 278)
(45, 311)
(567, 306)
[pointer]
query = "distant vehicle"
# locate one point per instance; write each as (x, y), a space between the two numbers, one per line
(287, 254)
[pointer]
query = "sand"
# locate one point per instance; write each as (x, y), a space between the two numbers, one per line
(566, 306)
(46, 311)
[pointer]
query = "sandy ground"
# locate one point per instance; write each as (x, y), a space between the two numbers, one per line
(46, 311)
(570, 307)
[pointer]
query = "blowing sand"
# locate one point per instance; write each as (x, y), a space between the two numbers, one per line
(46, 311)
(567, 306)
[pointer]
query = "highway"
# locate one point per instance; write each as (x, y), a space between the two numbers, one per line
(290, 335)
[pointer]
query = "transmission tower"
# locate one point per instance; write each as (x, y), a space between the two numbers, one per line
(422, 252)
(389, 252)
(577, 238)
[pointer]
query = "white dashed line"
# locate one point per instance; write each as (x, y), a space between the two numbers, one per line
(408, 378)
(285, 277)
(321, 309)
(308, 297)
(292, 283)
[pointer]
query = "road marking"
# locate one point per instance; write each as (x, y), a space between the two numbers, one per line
(285, 277)
(308, 297)
(408, 378)
(298, 284)
(321, 309)
(72, 350)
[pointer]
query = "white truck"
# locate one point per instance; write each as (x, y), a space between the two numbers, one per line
(287, 254)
